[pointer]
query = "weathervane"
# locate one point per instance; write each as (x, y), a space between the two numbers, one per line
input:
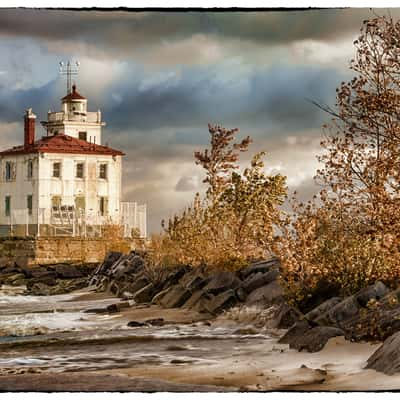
(69, 70)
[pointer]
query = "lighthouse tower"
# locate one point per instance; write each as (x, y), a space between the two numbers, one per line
(66, 182)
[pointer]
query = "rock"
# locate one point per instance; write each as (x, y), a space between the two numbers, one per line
(376, 291)
(311, 339)
(194, 299)
(145, 294)
(241, 294)
(155, 322)
(285, 316)
(196, 282)
(175, 297)
(66, 271)
(217, 304)
(261, 266)
(40, 289)
(137, 285)
(376, 323)
(324, 291)
(14, 279)
(117, 307)
(175, 276)
(135, 324)
(386, 358)
(259, 279)
(265, 296)
(110, 259)
(322, 308)
(126, 265)
(221, 282)
(344, 310)
(158, 296)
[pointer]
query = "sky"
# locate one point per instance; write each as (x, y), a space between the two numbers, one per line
(159, 78)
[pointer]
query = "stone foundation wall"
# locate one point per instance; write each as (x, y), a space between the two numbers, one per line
(53, 250)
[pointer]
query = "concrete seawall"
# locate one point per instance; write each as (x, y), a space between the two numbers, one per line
(51, 250)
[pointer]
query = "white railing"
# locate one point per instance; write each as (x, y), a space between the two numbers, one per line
(80, 117)
(67, 221)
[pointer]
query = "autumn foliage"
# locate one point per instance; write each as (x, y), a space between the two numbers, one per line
(234, 221)
(349, 235)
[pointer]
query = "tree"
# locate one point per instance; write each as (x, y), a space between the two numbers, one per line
(350, 234)
(234, 222)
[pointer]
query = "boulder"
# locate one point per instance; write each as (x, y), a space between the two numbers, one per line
(137, 285)
(285, 316)
(322, 308)
(217, 304)
(241, 294)
(175, 297)
(145, 294)
(259, 279)
(194, 299)
(15, 279)
(265, 296)
(126, 265)
(221, 282)
(135, 324)
(67, 271)
(311, 339)
(110, 259)
(261, 266)
(40, 289)
(374, 292)
(386, 358)
(117, 307)
(376, 323)
(346, 309)
(175, 276)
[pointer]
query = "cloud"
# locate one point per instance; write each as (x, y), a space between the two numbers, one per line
(188, 184)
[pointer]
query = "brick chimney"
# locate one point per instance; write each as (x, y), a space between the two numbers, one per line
(29, 127)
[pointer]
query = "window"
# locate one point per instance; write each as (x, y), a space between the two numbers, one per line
(103, 206)
(29, 204)
(79, 170)
(10, 171)
(103, 171)
(7, 206)
(56, 170)
(30, 169)
(56, 201)
(82, 135)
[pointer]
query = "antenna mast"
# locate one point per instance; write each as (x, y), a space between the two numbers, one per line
(69, 69)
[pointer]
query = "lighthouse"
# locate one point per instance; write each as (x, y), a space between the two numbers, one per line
(66, 182)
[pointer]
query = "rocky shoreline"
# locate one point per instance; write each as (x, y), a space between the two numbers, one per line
(372, 314)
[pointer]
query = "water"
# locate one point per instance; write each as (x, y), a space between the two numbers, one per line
(55, 334)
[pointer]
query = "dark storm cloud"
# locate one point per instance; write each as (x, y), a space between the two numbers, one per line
(126, 31)
(278, 96)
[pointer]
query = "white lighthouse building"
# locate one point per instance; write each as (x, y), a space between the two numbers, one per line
(66, 182)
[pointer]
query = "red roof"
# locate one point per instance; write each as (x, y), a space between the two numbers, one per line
(74, 95)
(62, 144)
